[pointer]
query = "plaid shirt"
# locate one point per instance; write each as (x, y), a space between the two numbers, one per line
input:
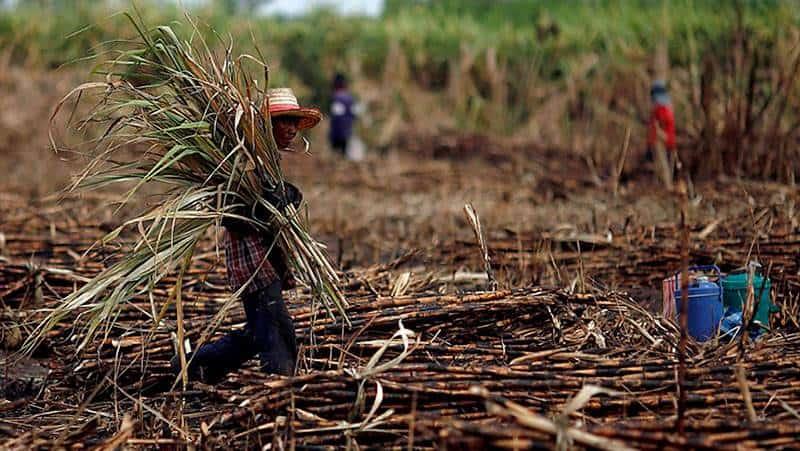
(245, 255)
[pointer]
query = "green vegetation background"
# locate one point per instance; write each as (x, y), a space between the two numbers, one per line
(515, 56)
(544, 33)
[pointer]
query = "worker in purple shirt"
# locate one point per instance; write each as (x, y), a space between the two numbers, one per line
(343, 115)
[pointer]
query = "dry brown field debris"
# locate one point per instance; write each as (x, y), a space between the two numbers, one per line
(433, 359)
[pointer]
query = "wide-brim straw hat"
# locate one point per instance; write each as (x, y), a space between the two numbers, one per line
(283, 102)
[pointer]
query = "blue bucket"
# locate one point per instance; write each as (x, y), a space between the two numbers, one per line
(705, 305)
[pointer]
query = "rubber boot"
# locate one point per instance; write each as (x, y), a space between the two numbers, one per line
(213, 361)
(272, 329)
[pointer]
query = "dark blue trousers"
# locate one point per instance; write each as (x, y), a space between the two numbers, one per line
(269, 334)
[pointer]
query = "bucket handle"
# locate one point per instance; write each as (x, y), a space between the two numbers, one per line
(704, 268)
(714, 268)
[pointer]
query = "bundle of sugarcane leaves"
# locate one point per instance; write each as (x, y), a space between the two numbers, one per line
(205, 125)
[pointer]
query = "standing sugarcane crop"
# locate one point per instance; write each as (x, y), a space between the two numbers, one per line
(259, 270)
(182, 118)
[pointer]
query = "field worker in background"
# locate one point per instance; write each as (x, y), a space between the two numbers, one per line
(661, 133)
(343, 114)
(257, 264)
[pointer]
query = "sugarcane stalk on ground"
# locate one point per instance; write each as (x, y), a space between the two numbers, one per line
(508, 349)
(512, 347)
(209, 142)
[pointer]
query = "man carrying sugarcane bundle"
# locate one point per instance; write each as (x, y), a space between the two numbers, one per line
(661, 133)
(214, 142)
(258, 266)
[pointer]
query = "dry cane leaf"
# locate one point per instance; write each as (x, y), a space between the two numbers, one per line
(563, 438)
(401, 284)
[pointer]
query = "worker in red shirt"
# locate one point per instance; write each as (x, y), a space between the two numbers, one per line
(661, 132)
(661, 118)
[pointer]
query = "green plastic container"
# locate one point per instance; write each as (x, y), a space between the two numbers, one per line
(734, 293)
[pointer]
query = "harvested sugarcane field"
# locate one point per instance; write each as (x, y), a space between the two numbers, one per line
(399, 225)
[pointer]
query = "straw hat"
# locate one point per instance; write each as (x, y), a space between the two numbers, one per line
(282, 102)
